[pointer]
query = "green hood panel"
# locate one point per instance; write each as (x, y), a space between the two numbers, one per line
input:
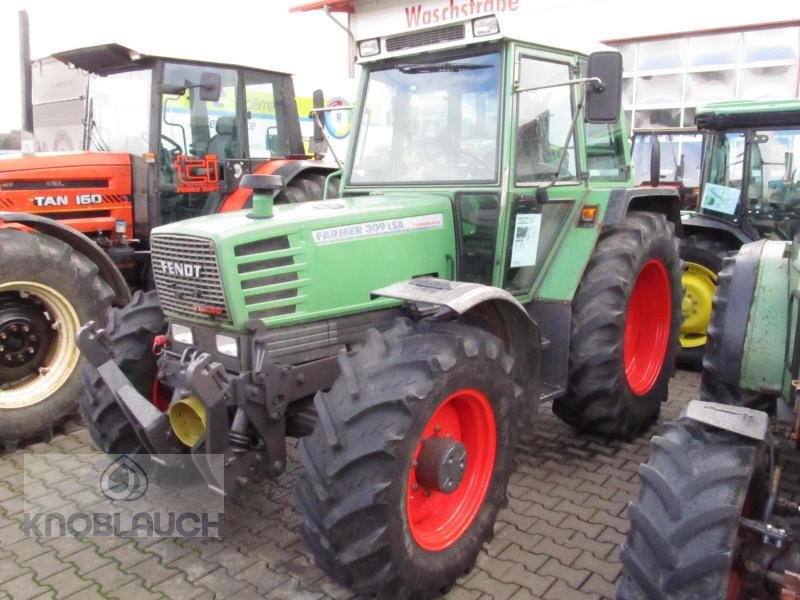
(320, 260)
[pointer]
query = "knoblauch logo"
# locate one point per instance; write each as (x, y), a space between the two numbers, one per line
(123, 480)
(455, 9)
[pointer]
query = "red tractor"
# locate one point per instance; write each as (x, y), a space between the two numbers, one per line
(163, 140)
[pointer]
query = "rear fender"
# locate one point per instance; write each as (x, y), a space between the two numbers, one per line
(662, 200)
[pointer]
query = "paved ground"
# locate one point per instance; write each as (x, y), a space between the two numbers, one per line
(558, 538)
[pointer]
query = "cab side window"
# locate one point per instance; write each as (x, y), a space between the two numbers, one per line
(543, 121)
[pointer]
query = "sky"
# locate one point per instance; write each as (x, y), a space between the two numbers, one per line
(260, 34)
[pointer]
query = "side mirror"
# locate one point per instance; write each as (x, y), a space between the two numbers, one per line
(318, 143)
(603, 101)
(318, 100)
(210, 86)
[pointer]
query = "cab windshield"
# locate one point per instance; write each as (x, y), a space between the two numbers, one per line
(433, 120)
(764, 189)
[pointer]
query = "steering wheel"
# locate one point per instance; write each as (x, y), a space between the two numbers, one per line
(176, 147)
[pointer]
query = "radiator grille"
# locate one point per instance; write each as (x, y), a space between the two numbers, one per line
(176, 259)
(425, 38)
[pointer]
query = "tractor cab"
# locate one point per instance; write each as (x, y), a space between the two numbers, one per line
(750, 174)
(192, 129)
(670, 157)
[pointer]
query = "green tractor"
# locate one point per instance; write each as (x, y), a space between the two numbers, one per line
(750, 189)
(482, 258)
(718, 514)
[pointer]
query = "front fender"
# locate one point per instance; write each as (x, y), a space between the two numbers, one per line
(488, 307)
(764, 350)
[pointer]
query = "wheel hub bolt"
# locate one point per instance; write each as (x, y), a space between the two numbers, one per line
(3, 335)
(442, 464)
(12, 328)
(31, 351)
(26, 328)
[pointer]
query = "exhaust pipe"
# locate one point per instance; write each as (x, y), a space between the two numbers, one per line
(26, 89)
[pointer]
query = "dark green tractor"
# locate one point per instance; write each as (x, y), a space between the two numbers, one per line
(719, 510)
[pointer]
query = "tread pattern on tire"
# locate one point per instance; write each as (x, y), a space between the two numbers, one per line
(711, 388)
(684, 525)
(345, 497)
(46, 258)
(306, 187)
(598, 398)
(131, 329)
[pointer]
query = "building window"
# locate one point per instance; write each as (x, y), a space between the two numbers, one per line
(666, 79)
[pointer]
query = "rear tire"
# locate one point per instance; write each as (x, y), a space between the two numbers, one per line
(702, 261)
(712, 389)
(684, 526)
(367, 525)
(132, 330)
(47, 290)
(306, 187)
(612, 390)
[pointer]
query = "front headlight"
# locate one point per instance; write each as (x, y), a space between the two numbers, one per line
(181, 334)
(227, 345)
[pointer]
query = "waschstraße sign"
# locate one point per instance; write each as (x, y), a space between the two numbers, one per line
(453, 10)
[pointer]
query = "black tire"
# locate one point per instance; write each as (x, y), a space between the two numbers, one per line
(132, 330)
(706, 252)
(599, 397)
(712, 389)
(59, 290)
(684, 526)
(306, 187)
(352, 497)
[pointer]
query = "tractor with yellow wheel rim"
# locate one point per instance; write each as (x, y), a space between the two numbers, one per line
(749, 190)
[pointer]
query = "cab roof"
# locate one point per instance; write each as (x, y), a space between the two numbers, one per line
(115, 58)
(749, 113)
(374, 19)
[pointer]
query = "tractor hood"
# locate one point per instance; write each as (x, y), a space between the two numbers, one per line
(310, 261)
(61, 162)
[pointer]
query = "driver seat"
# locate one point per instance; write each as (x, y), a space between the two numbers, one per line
(225, 143)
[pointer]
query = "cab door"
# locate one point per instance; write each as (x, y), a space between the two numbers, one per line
(200, 139)
(545, 180)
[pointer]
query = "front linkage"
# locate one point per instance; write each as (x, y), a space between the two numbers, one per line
(199, 419)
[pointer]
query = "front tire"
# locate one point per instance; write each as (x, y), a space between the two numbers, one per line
(371, 510)
(132, 330)
(626, 315)
(684, 526)
(47, 290)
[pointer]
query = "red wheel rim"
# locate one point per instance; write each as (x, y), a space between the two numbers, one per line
(647, 327)
(437, 520)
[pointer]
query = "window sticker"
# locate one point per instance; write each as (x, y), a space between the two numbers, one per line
(720, 198)
(526, 240)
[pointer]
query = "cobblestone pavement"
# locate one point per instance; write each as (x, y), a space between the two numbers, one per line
(557, 539)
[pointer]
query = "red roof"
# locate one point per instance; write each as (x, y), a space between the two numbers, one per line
(345, 6)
